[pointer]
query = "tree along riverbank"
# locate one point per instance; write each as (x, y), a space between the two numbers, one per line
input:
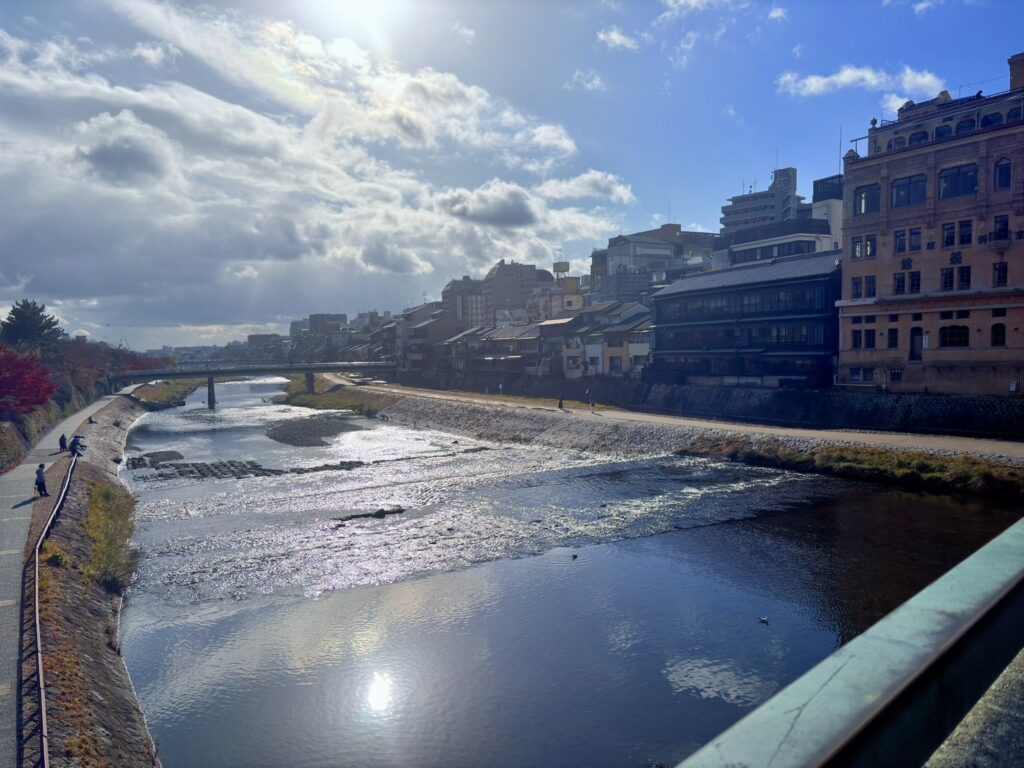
(93, 714)
(938, 471)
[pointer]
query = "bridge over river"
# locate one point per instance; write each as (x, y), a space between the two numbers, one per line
(225, 369)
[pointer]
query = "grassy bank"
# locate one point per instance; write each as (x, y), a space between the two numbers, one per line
(908, 469)
(167, 392)
(361, 401)
(86, 561)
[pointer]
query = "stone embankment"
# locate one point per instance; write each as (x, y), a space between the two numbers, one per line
(93, 714)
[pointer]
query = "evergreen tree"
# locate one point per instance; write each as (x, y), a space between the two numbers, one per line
(28, 326)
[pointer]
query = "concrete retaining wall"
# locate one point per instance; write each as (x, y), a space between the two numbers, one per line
(976, 416)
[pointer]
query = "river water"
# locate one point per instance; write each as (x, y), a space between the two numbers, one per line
(530, 607)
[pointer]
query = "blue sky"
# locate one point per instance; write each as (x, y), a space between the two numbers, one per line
(188, 172)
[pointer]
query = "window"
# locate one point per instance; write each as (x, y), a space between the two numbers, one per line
(959, 181)
(1002, 230)
(870, 246)
(867, 199)
(894, 338)
(897, 143)
(857, 248)
(900, 241)
(916, 317)
(856, 287)
(965, 126)
(918, 137)
(948, 235)
(999, 275)
(899, 284)
(869, 287)
(947, 315)
(963, 278)
(855, 339)
(869, 318)
(868, 374)
(954, 336)
(1014, 115)
(946, 279)
(915, 283)
(963, 314)
(992, 120)
(1002, 175)
(915, 239)
(965, 232)
(999, 312)
(894, 318)
(909, 191)
(857, 320)
(855, 374)
(895, 375)
(998, 335)
(869, 339)
(943, 132)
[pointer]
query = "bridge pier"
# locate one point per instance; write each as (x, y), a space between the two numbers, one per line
(310, 385)
(211, 398)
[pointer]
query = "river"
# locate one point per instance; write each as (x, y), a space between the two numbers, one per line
(529, 607)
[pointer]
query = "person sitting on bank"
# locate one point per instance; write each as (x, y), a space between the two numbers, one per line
(41, 481)
(62, 443)
(77, 446)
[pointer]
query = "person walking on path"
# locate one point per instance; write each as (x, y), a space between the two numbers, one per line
(593, 406)
(561, 404)
(41, 482)
(63, 443)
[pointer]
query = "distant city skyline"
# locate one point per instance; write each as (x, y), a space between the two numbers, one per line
(191, 173)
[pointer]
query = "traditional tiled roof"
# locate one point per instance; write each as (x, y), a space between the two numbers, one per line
(776, 270)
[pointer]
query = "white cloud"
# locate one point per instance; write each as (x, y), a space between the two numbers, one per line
(730, 112)
(149, 202)
(680, 55)
(777, 14)
(599, 184)
(916, 82)
(893, 102)
(614, 37)
(588, 80)
(798, 50)
(677, 8)
(468, 35)
(924, 6)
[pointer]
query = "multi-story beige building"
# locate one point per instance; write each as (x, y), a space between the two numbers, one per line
(933, 267)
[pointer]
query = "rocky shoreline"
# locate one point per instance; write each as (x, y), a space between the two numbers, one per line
(310, 431)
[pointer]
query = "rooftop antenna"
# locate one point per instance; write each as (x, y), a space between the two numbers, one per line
(670, 209)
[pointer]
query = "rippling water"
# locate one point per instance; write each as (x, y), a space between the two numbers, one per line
(261, 632)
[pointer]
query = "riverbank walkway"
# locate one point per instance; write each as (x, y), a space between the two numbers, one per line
(17, 492)
(1011, 450)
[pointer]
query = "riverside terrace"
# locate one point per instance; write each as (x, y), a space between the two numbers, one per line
(227, 368)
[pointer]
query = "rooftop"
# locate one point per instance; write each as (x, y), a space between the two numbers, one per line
(787, 268)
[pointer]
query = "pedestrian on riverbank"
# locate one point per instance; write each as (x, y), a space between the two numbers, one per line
(62, 443)
(561, 404)
(593, 406)
(76, 445)
(41, 481)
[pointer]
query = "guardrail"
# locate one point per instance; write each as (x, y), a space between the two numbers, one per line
(891, 695)
(44, 745)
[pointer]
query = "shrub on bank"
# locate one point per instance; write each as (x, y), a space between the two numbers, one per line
(109, 525)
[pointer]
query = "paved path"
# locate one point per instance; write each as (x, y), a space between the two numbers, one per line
(17, 489)
(901, 440)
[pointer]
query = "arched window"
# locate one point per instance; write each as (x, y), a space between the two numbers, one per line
(1002, 173)
(899, 142)
(999, 335)
(918, 137)
(867, 199)
(992, 120)
(965, 126)
(1014, 115)
(943, 132)
(954, 336)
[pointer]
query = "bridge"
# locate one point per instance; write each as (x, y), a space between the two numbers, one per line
(230, 369)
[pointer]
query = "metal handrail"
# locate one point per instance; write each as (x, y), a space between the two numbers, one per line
(43, 731)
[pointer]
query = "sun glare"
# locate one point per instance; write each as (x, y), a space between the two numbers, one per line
(380, 692)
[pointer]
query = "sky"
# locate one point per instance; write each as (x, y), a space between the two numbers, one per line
(187, 173)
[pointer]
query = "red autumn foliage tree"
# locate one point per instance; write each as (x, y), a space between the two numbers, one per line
(24, 383)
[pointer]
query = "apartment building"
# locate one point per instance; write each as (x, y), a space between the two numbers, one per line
(779, 202)
(933, 228)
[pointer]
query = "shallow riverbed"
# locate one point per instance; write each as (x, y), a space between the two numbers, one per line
(529, 607)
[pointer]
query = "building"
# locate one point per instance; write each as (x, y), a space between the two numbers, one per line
(933, 292)
(764, 324)
(326, 324)
(464, 301)
(508, 287)
(779, 202)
